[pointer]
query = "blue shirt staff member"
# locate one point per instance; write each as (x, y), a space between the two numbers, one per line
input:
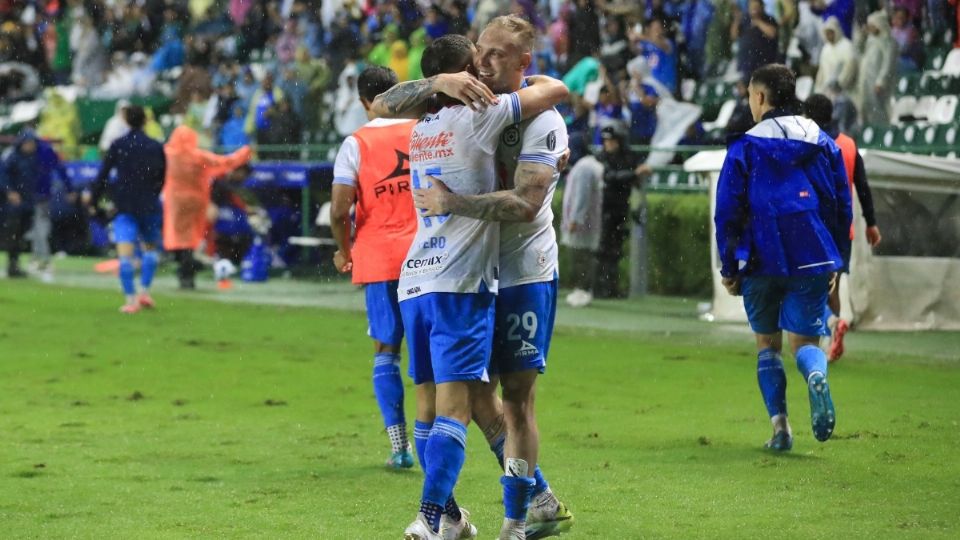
(140, 167)
(783, 221)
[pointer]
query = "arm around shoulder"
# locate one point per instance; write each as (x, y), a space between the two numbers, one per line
(541, 94)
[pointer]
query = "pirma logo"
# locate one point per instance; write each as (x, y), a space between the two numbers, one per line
(527, 349)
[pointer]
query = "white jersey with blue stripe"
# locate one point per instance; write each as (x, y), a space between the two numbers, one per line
(452, 253)
(528, 251)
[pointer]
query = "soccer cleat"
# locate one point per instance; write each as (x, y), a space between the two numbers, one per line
(146, 301)
(822, 414)
(460, 530)
(781, 442)
(511, 533)
(402, 459)
(543, 521)
(836, 345)
(420, 530)
(224, 284)
(129, 308)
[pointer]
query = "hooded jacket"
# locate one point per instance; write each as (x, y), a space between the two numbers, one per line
(838, 61)
(31, 175)
(783, 202)
(186, 188)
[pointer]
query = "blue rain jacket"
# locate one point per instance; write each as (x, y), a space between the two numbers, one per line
(783, 202)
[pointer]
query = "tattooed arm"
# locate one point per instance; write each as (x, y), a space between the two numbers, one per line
(408, 99)
(522, 203)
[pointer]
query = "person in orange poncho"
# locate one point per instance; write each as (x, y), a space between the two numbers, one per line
(186, 195)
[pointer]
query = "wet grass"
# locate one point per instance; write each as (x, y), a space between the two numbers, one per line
(205, 419)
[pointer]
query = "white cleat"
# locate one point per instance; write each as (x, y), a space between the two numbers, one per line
(420, 530)
(461, 530)
(512, 530)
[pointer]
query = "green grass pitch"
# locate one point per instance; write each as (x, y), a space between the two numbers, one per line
(216, 420)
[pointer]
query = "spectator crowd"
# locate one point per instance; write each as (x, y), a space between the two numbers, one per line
(284, 71)
(276, 73)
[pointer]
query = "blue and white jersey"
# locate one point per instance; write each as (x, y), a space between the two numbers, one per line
(528, 251)
(451, 253)
(783, 202)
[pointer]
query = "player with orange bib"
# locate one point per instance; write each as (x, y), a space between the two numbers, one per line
(372, 171)
(820, 109)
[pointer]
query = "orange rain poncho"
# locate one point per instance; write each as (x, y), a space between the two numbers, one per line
(186, 188)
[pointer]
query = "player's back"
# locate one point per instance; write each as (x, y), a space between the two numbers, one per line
(385, 216)
(528, 251)
(454, 253)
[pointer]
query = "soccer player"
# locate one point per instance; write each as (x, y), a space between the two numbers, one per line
(372, 170)
(140, 167)
(819, 108)
(527, 159)
(449, 279)
(783, 222)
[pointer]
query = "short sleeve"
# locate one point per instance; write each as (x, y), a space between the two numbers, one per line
(544, 139)
(346, 168)
(488, 124)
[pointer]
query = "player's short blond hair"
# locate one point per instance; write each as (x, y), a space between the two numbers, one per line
(524, 34)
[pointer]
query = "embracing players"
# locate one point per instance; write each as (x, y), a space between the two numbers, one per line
(449, 279)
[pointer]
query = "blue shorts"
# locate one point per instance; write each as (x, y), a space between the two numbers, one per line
(524, 326)
(794, 304)
(130, 228)
(383, 313)
(449, 336)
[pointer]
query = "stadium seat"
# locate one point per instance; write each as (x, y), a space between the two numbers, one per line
(903, 107)
(868, 135)
(928, 83)
(924, 107)
(908, 84)
(890, 136)
(688, 88)
(909, 135)
(723, 117)
(951, 64)
(935, 58)
(930, 135)
(945, 111)
(948, 38)
(804, 87)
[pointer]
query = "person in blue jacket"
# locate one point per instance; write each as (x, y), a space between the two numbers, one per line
(139, 165)
(27, 175)
(783, 228)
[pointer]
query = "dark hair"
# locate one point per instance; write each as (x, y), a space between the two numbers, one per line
(449, 54)
(819, 108)
(374, 81)
(780, 82)
(134, 116)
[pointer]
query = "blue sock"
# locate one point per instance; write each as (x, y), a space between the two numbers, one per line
(809, 359)
(126, 276)
(432, 511)
(421, 432)
(541, 484)
(446, 451)
(452, 509)
(517, 491)
(388, 387)
(497, 448)
(148, 267)
(773, 381)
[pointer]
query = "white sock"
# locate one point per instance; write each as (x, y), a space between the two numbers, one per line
(398, 437)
